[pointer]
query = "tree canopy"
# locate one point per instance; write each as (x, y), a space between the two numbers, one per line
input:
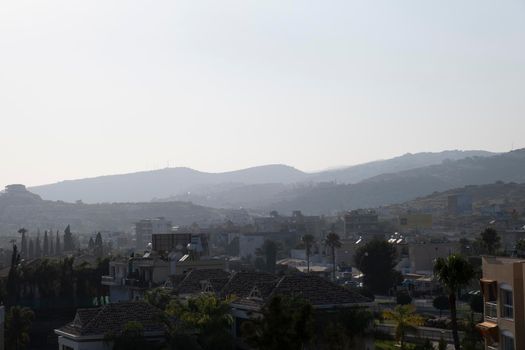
(377, 259)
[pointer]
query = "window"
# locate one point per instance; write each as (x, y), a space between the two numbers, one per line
(507, 341)
(507, 308)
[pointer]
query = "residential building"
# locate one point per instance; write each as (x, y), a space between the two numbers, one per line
(502, 286)
(144, 229)
(130, 278)
(90, 327)
(422, 255)
(459, 204)
(361, 222)
(415, 221)
(180, 242)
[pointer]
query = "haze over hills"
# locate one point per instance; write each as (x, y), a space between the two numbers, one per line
(228, 189)
(310, 197)
(405, 185)
(30, 211)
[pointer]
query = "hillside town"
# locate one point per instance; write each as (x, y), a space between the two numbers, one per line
(354, 280)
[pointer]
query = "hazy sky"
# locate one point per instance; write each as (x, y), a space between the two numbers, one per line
(100, 87)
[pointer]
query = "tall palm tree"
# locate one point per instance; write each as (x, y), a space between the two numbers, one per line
(18, 324)
(308, 241)
(405, 318)
(453, 272)
(332, 240)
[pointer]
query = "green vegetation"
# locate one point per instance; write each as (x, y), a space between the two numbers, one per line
(286, 323)
(453, 272)
(204, 322)
(377, 259)
(17, 326)
(308, 241)
(332, 241)
(405, 319)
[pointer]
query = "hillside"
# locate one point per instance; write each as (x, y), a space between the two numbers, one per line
(252, 187)
(405, 162)
(33, 213)
(406, 185)
(147, 185)
(507, 194)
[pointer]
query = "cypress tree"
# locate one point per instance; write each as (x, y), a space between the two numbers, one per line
(58, 250)
(12, 278)
(68, 239)
(51, 244)
(46, 244)
(24, 242)
(31, 249)
(38, 247)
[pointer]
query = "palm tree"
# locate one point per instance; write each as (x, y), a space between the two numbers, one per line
(18, 324)
(308, 241)
(453, 272)
(332, 240)
(204, 320)
(406, 320)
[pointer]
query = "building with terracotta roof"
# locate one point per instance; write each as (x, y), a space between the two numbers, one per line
(90, 327)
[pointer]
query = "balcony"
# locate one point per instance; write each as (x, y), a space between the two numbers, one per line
(491, 310)
(136, 283)
(109, 281)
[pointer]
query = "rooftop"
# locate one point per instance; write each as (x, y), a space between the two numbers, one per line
(112, 318)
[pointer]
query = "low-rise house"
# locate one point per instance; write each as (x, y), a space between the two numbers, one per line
(253, 291)
(91, 327)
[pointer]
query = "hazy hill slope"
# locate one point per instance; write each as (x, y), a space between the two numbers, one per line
(247, 187)
(511, 194)
(144, 186)
(403, 186)
(44, 214)
(407, 161)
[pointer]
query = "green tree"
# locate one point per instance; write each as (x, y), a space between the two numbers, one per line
(472, 339)
(442, 344)
(286, 323)
(441, 303)
(308, 241)
(23, 244)
(453, 272)
(490, 240)
(269, 251)
(406, 320)
(377, 259)
(344, 326)
(131, 338)
(17, 326)
(30, 249)
(204, 322)
(520, 248)
(13, 278)
(68, 239)
(58, 248)
(45, 251)
(98, 246)
(403, 298)
(476, 304)
(333, 242)
(158, 297)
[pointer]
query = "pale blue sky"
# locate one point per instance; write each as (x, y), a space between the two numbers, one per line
(101, 87)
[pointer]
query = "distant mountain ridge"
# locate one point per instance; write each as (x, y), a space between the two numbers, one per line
(402, 186)
(259, 182)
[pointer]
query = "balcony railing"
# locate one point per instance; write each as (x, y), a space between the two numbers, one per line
(108, 280)
(491, 310)
(136, 283)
